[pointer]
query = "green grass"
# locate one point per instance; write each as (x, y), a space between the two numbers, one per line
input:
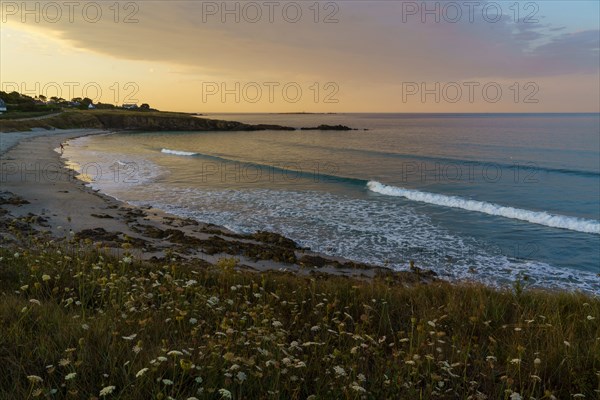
(77, 119)
(65, 120)
(26, 114)
(74, 321)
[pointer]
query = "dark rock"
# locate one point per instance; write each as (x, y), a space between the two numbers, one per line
(275, 238)
(329, 128)
(104, 216)
(97, 234)
(320, 262)
(111, 238)
(11, 199)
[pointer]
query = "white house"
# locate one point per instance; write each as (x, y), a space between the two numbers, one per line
(2, 106)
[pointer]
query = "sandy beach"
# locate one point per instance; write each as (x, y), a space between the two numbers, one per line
(41, 196)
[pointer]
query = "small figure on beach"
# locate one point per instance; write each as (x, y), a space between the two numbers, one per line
(62, 148)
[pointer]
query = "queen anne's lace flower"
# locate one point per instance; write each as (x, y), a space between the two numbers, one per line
(107, 390)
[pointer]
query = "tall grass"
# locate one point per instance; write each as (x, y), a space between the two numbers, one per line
(77, 323)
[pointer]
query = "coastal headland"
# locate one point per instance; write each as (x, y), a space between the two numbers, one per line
(146, 121)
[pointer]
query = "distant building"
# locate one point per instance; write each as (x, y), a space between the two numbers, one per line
(130, 106)
(91, 106)
(2, 106)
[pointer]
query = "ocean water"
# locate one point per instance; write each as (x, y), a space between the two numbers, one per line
(489, 198)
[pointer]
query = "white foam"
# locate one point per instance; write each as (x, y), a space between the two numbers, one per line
(535, 217)
(178, 152)
(109, 171)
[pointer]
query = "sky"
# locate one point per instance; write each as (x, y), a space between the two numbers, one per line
(308, 56)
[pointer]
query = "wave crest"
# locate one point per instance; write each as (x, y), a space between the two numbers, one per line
(178, 152)
(535, 217)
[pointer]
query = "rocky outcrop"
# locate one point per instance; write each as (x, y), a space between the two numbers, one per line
(329, 128)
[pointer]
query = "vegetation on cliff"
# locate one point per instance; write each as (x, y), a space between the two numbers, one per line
(130, 120)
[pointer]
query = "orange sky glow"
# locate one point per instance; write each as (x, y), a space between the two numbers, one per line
(326, 56)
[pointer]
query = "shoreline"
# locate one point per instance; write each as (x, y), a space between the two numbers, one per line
(42, 196)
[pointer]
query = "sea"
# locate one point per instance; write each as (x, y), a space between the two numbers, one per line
(491, 198)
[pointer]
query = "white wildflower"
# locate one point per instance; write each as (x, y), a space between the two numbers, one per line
(34, 378)
(356, 387)
(241, 376)
(106, 391)
(141, 372)
(339, 371)
(70, 376)
(225, 394)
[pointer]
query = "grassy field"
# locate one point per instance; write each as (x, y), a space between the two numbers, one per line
(79, 324)
(74, 119)
(26, 114)
(65, 120)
